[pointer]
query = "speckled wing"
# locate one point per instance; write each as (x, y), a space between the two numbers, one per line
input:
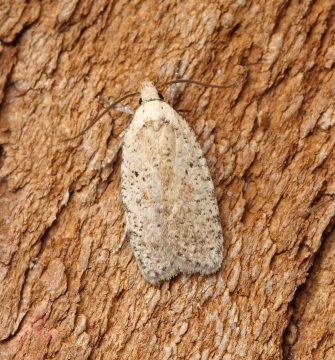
(172, 216)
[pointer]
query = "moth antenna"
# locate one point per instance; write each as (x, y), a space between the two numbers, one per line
(157, 87)
(245, 76)
(102, 114)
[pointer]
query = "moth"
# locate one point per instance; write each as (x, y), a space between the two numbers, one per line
(172, 215)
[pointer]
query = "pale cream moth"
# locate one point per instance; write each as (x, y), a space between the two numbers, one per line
(172, 216)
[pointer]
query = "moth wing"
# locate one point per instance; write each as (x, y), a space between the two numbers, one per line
(142, 195)
(195, 232)
(171, 209)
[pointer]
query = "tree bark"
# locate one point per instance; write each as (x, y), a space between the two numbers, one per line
(269, 143)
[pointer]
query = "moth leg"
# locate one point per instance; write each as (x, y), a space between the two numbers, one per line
(119, 107)
(127, 110)
(173, 87)
(121, 242)
(114, 154)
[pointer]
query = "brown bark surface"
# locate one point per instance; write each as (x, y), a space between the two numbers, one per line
(269, 142)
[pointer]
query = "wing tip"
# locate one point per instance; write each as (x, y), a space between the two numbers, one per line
(155, 278)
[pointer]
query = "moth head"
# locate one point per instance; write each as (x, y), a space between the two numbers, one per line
(149, 92)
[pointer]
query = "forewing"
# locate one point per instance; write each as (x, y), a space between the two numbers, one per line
(143, 196)
(195, 233)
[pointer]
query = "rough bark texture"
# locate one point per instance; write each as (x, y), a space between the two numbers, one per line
(269, 143)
